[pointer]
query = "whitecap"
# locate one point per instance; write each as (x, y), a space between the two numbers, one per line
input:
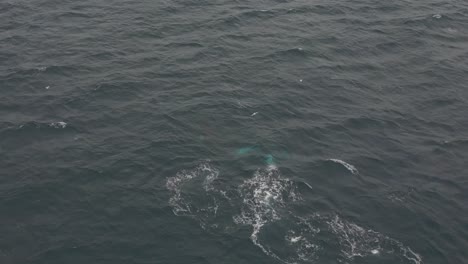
(60, 124)
(451, 30)
(348, 166)
(294, 239)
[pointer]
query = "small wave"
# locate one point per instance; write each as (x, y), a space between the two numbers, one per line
(348, 166)
(34, 124)
(401, 196)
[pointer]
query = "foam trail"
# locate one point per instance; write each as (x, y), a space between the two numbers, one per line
(348, 166)
(263, 197)
(196, 194)
(359, 242)
(179, 201)
(266, 202)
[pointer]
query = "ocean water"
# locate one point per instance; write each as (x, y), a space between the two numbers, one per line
(267, 131)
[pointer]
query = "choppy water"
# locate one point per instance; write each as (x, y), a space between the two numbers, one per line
(233, 131)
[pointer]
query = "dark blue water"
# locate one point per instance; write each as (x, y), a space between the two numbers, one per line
(233, 131)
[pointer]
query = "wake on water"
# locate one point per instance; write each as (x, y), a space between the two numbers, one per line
(268, 203)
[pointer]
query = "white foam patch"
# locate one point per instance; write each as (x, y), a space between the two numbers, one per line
(60, 124)
(178, 183)
(268, 203)
(302, 237)
(348, 166)
(264, 194)
(265, 199)
(359, 242)
(194, 194)
(293, 239)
